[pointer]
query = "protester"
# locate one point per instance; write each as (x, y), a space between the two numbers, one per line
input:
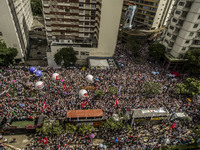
(20, 100)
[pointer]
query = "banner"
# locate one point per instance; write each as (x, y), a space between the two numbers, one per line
(128, 20)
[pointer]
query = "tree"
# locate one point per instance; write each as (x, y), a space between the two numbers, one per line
(6, 54)
(111, 124)
(99, 93)
(151, 88)
(190, 87)
(193, 63)
(50, 128)
(36, 6)
(71, 128)
(112, 90)
(156, 50)
(133, 45)
(65, 55)
(86, 128)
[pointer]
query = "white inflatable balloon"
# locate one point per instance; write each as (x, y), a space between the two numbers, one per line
(89, 78)
(82, 93)
(39, 85)
(55, 76)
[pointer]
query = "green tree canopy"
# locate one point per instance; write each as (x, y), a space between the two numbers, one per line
(111, 124)
(36, 6)
(193, 63)
(65, 55)
(190, 87)
(134, 45)
(6, 54)
(86, 128)
(99, 93)
(151, 88)
(156, 50)
(112, 90)
(48, 128)
(71, 128)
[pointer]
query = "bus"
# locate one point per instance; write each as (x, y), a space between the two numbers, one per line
(145, 116)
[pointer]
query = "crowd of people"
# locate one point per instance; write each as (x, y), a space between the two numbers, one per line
(18, 87)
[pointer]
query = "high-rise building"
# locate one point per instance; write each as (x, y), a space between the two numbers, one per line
(16, 20)
(152, 13)
(89, 26)
(183, 28)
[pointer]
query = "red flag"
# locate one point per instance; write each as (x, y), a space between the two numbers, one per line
(45, 141)
(44, 106)
(116, 102)
(65, 86)
(84, 104)
(172, 127)
(105, 90)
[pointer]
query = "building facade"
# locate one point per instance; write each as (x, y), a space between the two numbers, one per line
(183, 28)
(16, 20)
(152, 13)
(89, 26)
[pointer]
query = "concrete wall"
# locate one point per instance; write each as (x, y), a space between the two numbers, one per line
(109, 26)
(7, 27)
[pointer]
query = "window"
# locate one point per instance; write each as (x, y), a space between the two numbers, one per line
(195, 26)
(86, 23)
(80, 23)
(87, 1)
(168, 34)
(81, 5)
(184, 48)
(86, 34)
(76, 52)
(92, 18)
(67, 10)
(174, 20)
(81, 11)
(181, 3)
(199, 17)
(83, 53)
(93, 12)
(92, 23)
(187, 41)
(171, 27)
(178, 12)
(1, 34)
(191, 34)
(86, 18)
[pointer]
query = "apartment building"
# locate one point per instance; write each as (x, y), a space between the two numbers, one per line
(152, 14)
(183, 28)
(16, 20)
(90, 26)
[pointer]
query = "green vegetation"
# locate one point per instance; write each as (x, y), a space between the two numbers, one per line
(22, 124)
(6, 54)
(190, 87)
(36, 6)
(113, 125)
(99, 93)
(65, 56)
(112, 90)
(86, 128)
(134, 45)
(151, 88)
(156, 50)
(193, 63)
(50, 128)
(70, 128)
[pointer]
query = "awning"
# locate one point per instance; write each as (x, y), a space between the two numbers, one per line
(84, 113)
(99, 63)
